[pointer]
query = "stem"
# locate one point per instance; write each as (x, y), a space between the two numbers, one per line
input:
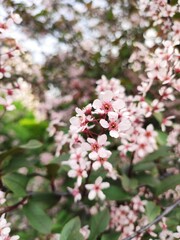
(23, 201)
(156, 220)
(87, 179)
(53, 188)
(15, 206)
(131, 166)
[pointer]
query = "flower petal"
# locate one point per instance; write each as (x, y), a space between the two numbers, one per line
(104, 123)
(97, 104)
(102, 139)
(118, 104)
(92, 194)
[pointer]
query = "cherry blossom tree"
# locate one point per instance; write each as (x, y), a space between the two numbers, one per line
(89, 108)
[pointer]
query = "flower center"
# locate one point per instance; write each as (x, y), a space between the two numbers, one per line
(95, 147)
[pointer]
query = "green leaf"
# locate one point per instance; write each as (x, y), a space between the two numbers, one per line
(71, 230)
(152, 210)
(129, 184)
(147, 180)
(46, 200)
(116, 193)
(110, 236)
(98, 223)
(114, 158)
(63, 157)
(148, 162)
(10, 152)
(168, 183)
(16, 163)
(141, 166)
(32, 144)
(61, 219)
(162, 138)
(163, 151)
(16, 182)
(158, 116)
(38, 219)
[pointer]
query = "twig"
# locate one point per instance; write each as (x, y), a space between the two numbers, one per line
(23, 201)
(13, 207)
(131, 166)
(156, 220)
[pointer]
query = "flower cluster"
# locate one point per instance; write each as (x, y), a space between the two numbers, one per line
(160, 11)
(4, 225)
(5, 230)
(9, 50)
(111, 115)
(129, 217)
(89, 151)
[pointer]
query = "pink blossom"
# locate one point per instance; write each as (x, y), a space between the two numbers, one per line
(167, 93)
(166, 122)
(2, 197)
(80, 122)
(5, 72)
(102, 162)
(96, 189)
(7, 103)
(115, 125)
(16, 18)
(85, 232)
(5, 229)
(157, 105)
(76, 193)
(78, 171)
(177, 234)
(138, 204)
(96, 147)
(106, 104)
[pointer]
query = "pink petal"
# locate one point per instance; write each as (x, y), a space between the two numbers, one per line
(93, 155)
(101, 195)
(86, 146)
(107, 166)
(114, 134)
(96, 165)
(92, 195)
(102, 153)
(102, 139)
(104, 123)
(105, 185)
(106, 96)
(118, 104)
(113, 116)
(91, 140)
(124, 125)
(75, 121)
(97, 104)
(89, 186)
(98, 180)
(79, 181)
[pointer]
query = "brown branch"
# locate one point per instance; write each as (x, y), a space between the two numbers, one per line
(130, 170)
(156, 220)
(23, 201)
(13, 207)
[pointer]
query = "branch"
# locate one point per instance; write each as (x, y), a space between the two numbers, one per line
(23, 201)
(13, 207)
(156, 220)
(131, 166)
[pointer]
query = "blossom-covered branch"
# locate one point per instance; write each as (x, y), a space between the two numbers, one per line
(159, 218)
